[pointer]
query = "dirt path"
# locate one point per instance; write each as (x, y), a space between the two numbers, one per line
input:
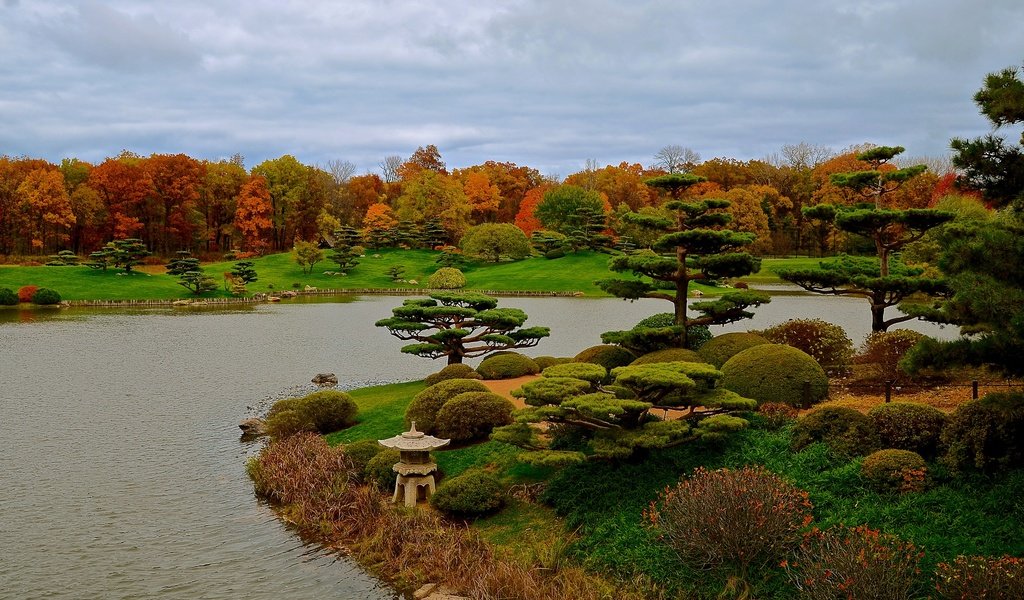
(504, 387)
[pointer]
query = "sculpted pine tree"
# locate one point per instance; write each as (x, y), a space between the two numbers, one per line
(884, 280)
(460, 325)
(692, 247)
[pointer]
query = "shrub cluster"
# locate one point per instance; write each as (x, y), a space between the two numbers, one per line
(895, 471)
(320, 412)
(472, 416)
(775, 373)
(883, 351)
(776, 414)
(456, 371)
(25, 292)
(986, 434)
(909, 426)
(668, 355)
(720, 349)
(379, 470)
(424, 406)
(447, 278)
(827, 343)
(473, 493)
(853, 563)
(507, 366)
(739, 518)
(360, 454)
(696, 335)
(46, 297)
(549, 361)
(846, 431)
(8, 297)
(606, 355)
(970, 577)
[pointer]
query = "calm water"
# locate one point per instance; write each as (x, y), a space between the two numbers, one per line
(121, 472)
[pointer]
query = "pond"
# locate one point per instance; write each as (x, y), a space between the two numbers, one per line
(122, 475)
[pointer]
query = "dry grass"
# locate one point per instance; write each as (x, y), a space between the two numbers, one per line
(945, 397)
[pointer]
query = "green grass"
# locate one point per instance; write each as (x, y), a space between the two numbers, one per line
(770, 266)
(381, 412)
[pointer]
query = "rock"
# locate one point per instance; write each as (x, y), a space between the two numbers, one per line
(274, 299)
(325, 379)
(289, 294)
(310, 288)
(181, 302)
(253, 427)
(424, 591)
(413, 282)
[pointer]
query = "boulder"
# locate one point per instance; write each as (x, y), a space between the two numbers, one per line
(253, 427)
(325, 379)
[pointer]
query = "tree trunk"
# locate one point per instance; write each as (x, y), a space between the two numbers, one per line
(878, 317)
(454, 359)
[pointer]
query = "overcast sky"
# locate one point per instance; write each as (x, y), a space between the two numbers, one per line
(544, 83)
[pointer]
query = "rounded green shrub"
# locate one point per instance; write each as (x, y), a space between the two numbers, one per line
(895, 471)
(775, 373)
(46, 297)
(909, 426)
(668, 355)
(321, 412)
(472, 416)
(606, 355)
(578, 370)
(826, 342)
(424, 406)
(720, 349)
(447, 278)
(8, 297)
(380, 470)
(456, 371)
(696, 335)
(361, 453)
(472, 493)
(846, 431)
(553, 254)
(507, 366)
(549, 361)
(986, 434)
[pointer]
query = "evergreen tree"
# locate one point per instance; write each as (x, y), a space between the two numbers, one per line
(244, 271)
(127, 253)
(181, 263)
(197, 281)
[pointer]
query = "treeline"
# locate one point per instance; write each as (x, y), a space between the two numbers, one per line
(176, 202)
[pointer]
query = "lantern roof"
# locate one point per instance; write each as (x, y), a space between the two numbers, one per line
(414, 440)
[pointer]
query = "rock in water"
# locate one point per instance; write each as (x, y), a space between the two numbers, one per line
(253, 427)
(325, 379)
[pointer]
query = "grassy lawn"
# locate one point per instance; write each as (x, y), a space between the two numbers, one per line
(769, 266)
(573, 273)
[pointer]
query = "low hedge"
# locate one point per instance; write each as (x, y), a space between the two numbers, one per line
(606, 355)
(909, 426)
(322, 412)
(507, 366)
(846, 431)
(473, 493)
(472, 416)
(775, 373)
(719, 349)
(548, 361)
(361, 453)
(986, 434)
(46, 297)
(380, 471)
(424, 406)
(8, 297)
(456, 371)
(668, 355)
(895, 471)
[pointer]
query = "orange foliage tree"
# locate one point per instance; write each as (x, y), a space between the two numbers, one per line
(525, 219)
(45, 209)
(253, 215)
(123, 184)
(484, 197)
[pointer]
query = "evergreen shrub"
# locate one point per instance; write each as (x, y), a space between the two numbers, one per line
(472, 416)
(775, 373)
(909, 426)
(826, 342)
(553, 254)
(456, 371)
(606, 355)
(721, 348)
(668, 355)
(380, 470)
(895, 471)
(507, 366)
(577, 370)
(424, 406)
(45, 297)
(360, 453)
(548, 361)
(8, 297)
(846, 431)
(986, 434)
(472, 493)
(320, 412)
(447, 278)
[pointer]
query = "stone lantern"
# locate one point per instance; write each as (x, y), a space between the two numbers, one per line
(414, 468)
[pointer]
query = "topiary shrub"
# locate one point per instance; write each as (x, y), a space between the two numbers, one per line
(549, 361)
(320, 412)
(361, 453)
(883, 351)
(853, 563)
(45, 297)
(456, 371)
(777, 415)
(472, 416)
(986, 434)
(379, 471)
(8, 297)
(740, 518)
(846, 431)
(895, 471)
(825, 342)
(469, 494)
(909, 426)
(668, 355)
(606, 355)
(775, 373)
(25, 292)
(447, 278)
(507, 366)
(980, 577)
(424, 406)
(553, 254)
(577, 370)
(720, 349)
